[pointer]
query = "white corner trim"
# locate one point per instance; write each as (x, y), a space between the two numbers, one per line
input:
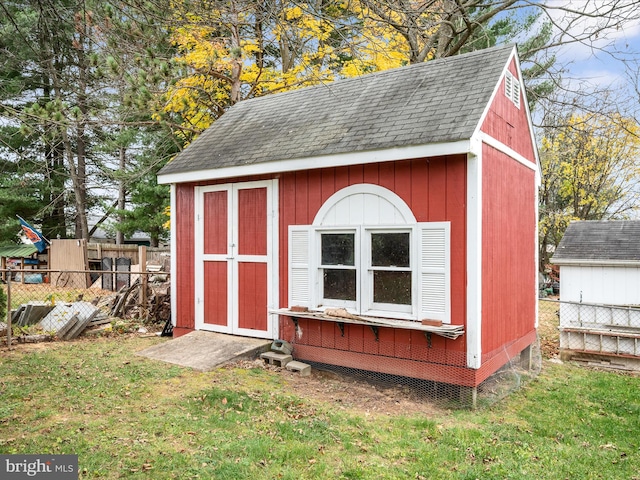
(273, 296)
(173, 248)
(474, 261)
(320, 161)
(537, 256)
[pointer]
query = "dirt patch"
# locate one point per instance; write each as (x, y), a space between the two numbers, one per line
(352, 394)
(25, 347)
(548, 333)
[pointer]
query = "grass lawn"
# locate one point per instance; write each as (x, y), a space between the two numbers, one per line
(130, 417)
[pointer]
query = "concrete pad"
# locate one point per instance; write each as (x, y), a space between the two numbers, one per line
(204, 351)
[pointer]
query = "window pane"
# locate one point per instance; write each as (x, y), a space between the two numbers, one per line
(338, 249)
(340, 284)
(392, 287)
(390, 249)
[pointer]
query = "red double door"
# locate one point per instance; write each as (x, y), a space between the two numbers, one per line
(235, 256)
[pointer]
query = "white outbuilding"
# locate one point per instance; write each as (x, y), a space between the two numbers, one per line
(599, 265)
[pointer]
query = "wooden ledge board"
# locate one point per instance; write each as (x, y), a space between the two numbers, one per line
(448, 331)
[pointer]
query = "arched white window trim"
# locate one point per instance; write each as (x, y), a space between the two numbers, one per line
(363, 209)
(357, 197)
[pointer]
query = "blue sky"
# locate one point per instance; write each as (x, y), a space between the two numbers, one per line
(607, 66)
(607, 60)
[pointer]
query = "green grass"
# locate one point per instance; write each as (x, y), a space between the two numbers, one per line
(129, 417)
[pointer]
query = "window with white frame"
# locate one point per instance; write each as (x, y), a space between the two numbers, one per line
(338, 269)
(389, 269)
(366, 253)
(365, 269)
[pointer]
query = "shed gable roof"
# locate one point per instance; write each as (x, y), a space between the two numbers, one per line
(599, 242)
(434, 102)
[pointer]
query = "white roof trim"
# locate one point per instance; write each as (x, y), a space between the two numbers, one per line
(600, 263)
(321, 161)
(525, 101)
(523, 92)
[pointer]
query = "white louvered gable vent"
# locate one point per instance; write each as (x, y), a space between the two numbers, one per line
(512, 88)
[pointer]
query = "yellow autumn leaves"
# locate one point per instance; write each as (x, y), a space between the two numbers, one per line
(236, 50)
(590, 171)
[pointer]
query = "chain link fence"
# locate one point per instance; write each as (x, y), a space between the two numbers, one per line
(39, 305)
(606, 335)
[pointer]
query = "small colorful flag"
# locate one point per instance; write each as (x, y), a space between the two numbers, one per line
(33, 235)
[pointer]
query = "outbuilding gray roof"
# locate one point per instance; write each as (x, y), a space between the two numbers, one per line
(437, 101)
(614, 240)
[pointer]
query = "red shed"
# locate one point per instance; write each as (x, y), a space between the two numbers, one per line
(385, 223)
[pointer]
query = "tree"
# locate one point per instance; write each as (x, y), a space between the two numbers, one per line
(241, 49)
(590, 171)
(231, 51)
(28, 185)
(136, 58)
(51, 99)
(150, 212)
(77, 104)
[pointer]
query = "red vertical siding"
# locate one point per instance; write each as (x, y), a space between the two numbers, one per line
(215, 222)
(252, 303)
(509, 124)
(508, 259)
(185, 303)
(356, 174)
(341, 181)
(300, 196)
(420, 189)
(312, 185)
(356, 338)
(370, 173)
(435, 190)
(456, 213)
(252, 221)
(387, 175)
(215, 293)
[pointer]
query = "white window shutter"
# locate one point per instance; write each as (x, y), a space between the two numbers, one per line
(434, 271)
(299, 266)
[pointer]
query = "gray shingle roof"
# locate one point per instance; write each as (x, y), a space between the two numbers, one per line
(600, 241)
(438, 101)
